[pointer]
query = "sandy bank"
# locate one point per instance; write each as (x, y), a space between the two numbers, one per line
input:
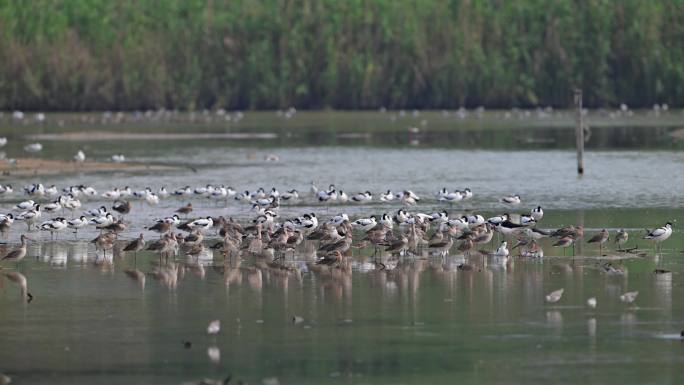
(109, 135)
(35, 166)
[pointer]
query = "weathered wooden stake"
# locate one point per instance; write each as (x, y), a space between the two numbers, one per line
(579, 132)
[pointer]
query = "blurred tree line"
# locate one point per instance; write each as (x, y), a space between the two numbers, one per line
(195, 54)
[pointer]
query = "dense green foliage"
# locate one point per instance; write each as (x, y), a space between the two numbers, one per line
(191, 54)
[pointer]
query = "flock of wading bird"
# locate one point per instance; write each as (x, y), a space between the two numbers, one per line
(405, 232)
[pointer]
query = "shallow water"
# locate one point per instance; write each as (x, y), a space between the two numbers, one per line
(612, 178)
(421, 320)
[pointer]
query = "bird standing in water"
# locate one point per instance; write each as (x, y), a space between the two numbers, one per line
(19, 253)
(600, 238)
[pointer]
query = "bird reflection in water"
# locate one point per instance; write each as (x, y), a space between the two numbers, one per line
(21, 281)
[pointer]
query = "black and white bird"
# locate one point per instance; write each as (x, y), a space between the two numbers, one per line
(451, 197)
(6, 223)
(172, 220)
(102, 221)
(365, 224)
(307, 222)
(77, 223)
(6, 189)
(151, 198)
(25, 205)
(112, 194)
(30, 216)
(52, 207)
(97, 212)
(183, 192)
(264, 202)
(458, 223)
(362, 197)
(54, 225)
(342, 197)
(511, 200)
(497, 220)
(660, 234)
(88, 191)
(386, 220)
(401, 216)
(502, 251)
(290, 195)
(537, 213)
(527, 220)
(243, 196)
(35, 190)
(475, 221)
(326, 196)
(51, 191)
(507, 227)
(387, 197)
(440, 217)
(202, 223)
(140, 194)
(71, 203)
(408, 198)
(338, 219)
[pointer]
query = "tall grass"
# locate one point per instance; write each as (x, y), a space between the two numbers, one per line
(192, 54)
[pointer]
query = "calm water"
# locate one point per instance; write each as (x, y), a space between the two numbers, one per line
(421, 320)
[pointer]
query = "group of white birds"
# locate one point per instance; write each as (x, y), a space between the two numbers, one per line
(79, 157)
(471, 230)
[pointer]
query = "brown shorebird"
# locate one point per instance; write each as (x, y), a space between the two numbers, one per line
(621, 238)
(136, 245)
(565, 242)
(227, 246)
(194, 250)
(571, 231)
(485, 236)
(104, 242)
(122, 207)
(115, 227)
(442, 248)
(330, 259)
(165, 245)
(437, 237)
(398, 246)
(19, 253)
(256, 244)
(194, 238)
(6, 223)
(466, 246)
(342, 245)
(161, 228)
(185, 210)
(600, 238)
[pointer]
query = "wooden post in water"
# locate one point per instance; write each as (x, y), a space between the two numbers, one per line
(579, 132)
